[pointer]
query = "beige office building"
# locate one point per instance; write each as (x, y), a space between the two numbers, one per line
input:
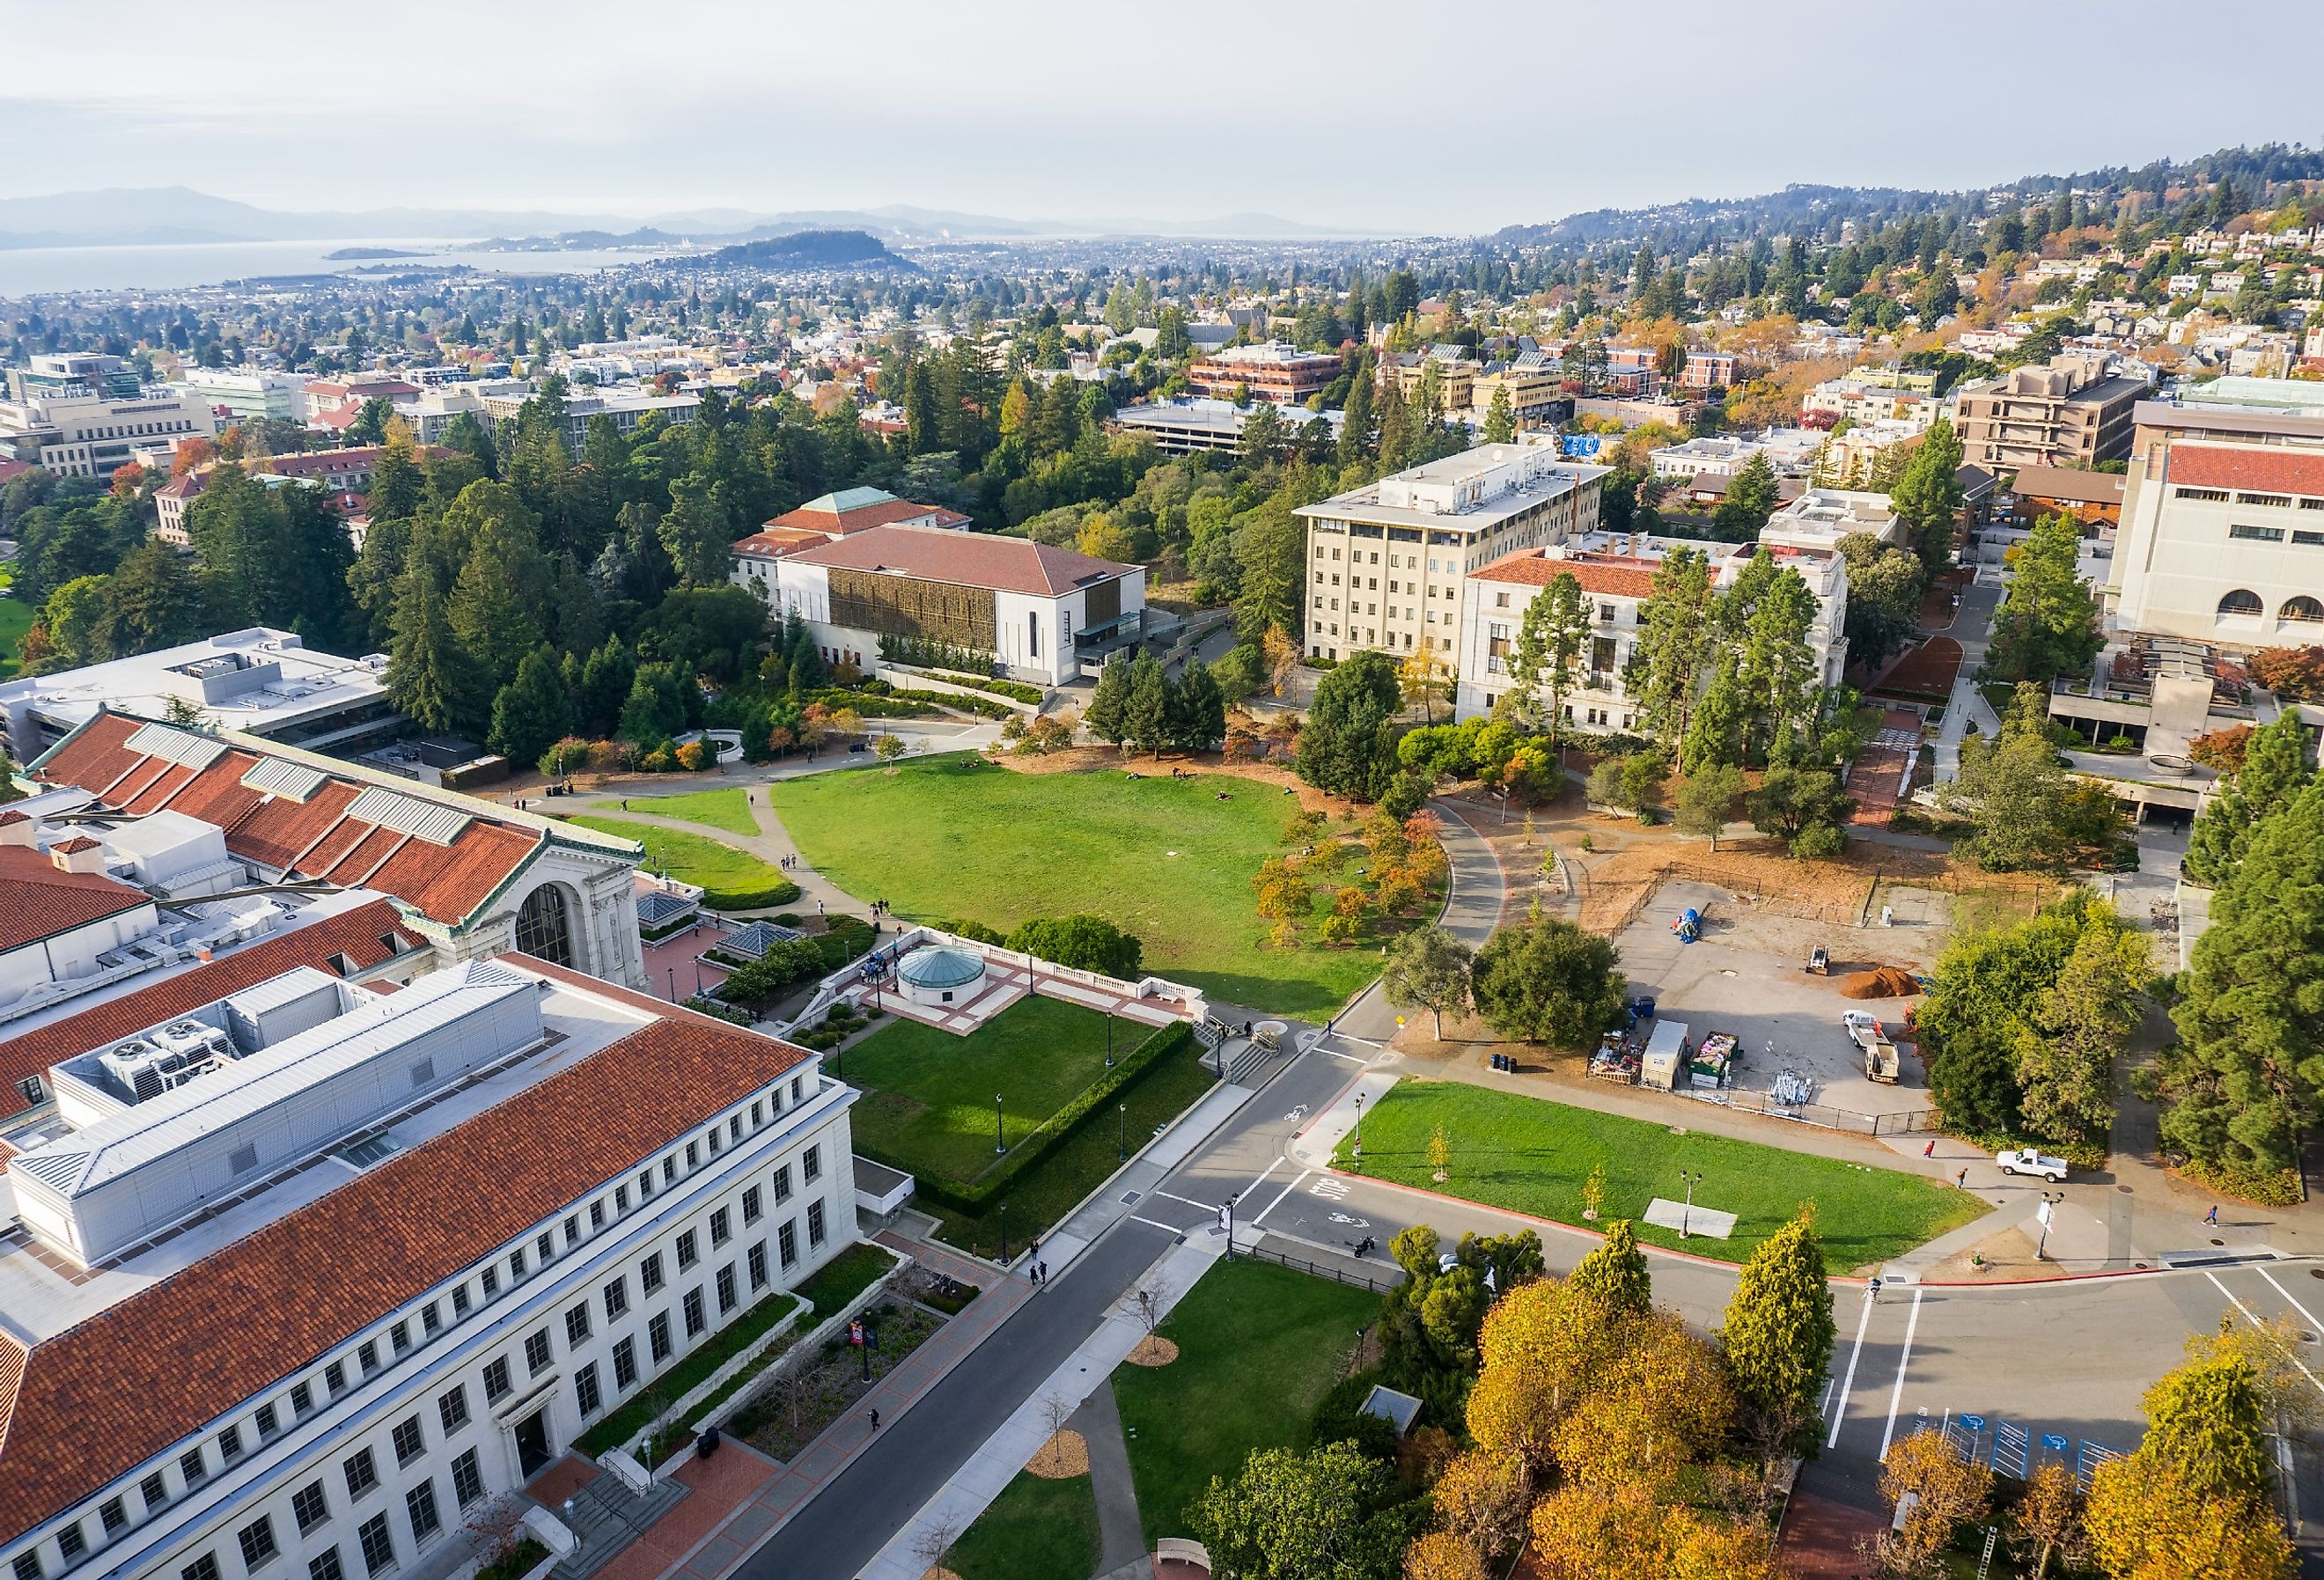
(2068, 412)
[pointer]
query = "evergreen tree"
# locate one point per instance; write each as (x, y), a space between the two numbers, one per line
(697, 534)
(1107, 716)
(1752, 496)
(578, 624)
(1677, 624)
(429, 675)
(1928, 497)
(500, 598)
(374, 577)
(655, 709)
(1146, 712)
(532, 711)
(1615, 1273)
(2048, 622)
(1347, 742)
(1500, 418)
(397, 483)
(605, 681)
(1355, 432)
(1779, 1329)
(2275, 770)
(1547, 650)
(1198, 710)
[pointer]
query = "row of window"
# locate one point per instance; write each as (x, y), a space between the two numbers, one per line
(2251, 534)
(2273, 501)
(268, 1419)
(2243, 604)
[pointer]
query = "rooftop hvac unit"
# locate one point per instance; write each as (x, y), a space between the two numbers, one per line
(147, 1071)
(193, 1040)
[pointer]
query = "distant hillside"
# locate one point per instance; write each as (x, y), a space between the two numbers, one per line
(809, 249)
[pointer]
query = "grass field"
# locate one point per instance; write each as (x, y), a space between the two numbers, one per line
(730, 880)
(952, 835)
(1047, 1192)
(927, 1095)
(723, 810)
(1533, 1156)
(1036, 1529)
(15, 619)
(1258, 1347)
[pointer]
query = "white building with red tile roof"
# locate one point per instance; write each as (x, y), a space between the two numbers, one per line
(1616, 573)
(301, 1277)
(1044, 614)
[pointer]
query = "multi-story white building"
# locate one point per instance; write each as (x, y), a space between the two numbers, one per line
(1385, 562)
(248, 395)
(1616, 572)
(1859, 400)
(624, 408)
(302, 1277)
(88, 435)
(1707, 457)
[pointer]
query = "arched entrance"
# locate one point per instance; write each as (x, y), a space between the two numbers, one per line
(544, 925)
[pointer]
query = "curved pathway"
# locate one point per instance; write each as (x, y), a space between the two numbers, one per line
(1475, 897)
(771, 847)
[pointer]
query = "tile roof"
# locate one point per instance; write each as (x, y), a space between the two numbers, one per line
(2064, 482)
(822, 515)
(1530, 568)
(38, 901)
(972, 559)
(359, 934)
(96, 1401)
(2263, 471)
(317, 837)
(772, 543)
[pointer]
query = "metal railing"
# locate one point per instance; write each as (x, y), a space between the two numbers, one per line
(1909, 1122)
(1319, 1269)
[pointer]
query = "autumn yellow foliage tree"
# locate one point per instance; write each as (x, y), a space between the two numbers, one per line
(1588, 1533)
(1948, 1494)
(2047, 1522)
(1440, 1556)
(1539, 1346)
(1482, 1498)
(1658, 1405)
(2152, 1521)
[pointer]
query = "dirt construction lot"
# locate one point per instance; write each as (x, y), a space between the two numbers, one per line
(1745, 977)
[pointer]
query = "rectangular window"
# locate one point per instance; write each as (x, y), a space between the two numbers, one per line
(547, 1246)
(378, 1546)
(202, 1568)
(334, 1377)
(467, 1480)
(787, 1241)
(650, 1272)
(758, 1109)
(153, 1491)
(753, 1205)
(2258, 534)
(725, 1281)
(230, 1444)
(2278, 500)
(303, 1399)
(721, 1226)
(367, 1356)
(492, 1281)
(693, 1155)
(516, 1265)
(577, 1326)
(326, 1566)
(621, 1198)
(409, 1440)
(617, 1298)
(783, 1182)
(572, 1228)
(668, 1169)
(657, 1335)
(695, 1320)
(399, 1336)
(71, 1543)
(537, 1353)
(814, 1224)
(311, 1506)
(584, 1390)
(811, 1165)
(625, 1363)
(363, 1473)
(597, 1214)
(257, 1539)
(452, 1409)
(191, 1467)
(113, 1515)
(712, 1139)
(420, 1503)
(268, 1421)
(645, 1185)
(2203, 496)
(430, 1321)
(798, 1087)
(687, 1252)
(497, 1379)
(759, 1265)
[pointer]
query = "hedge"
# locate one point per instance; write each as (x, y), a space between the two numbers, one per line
(689, 1374)
(1052, 1132)
(1016, 689)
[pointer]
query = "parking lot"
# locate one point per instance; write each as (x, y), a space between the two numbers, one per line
(1747, 976)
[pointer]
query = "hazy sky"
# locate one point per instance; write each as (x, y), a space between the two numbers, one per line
(1438, 116)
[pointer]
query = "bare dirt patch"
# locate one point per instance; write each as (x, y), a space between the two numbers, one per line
(1063, 1456)
(1154, 1350)
(1880, 981)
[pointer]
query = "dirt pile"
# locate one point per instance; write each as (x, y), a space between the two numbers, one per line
(1881, 982)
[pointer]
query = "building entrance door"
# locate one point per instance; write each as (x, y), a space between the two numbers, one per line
(532, 1456)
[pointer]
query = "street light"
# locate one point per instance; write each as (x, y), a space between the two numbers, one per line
(1109, 1040)
(1229, 1211)
(1121, 1141)
(1686, 1219)
(2049, 1200)
(673, 985)
(999, 1132)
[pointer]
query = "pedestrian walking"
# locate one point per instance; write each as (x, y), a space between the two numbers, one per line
(1962, 1179)
(1044, 1275)
(1931, 1150)
(1872, 1289)
(875, 1420)
(2211, 1218)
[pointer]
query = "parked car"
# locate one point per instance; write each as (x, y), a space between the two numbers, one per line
(2026, 1160)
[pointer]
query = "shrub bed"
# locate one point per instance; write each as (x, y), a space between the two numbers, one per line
(2266, 1187)
(517, 1561)
(627, 1421)
(1016, 689)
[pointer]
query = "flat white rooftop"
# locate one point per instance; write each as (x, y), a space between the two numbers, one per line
(260, 681)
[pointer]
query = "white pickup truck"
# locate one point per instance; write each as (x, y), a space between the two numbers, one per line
(2026, 1160)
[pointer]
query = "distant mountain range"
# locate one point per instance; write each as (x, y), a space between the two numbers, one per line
(179, 216)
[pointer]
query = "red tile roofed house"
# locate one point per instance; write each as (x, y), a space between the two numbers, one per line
(278, 1332)
(338, 470)
(473, 877)
(1042, 613)
(365, 943)
(55, 922)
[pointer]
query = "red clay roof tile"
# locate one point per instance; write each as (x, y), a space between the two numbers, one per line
(38, 901)
(2271, 471)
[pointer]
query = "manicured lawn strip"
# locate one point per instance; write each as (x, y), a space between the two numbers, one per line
(1258, 1347)
(1533, 1156)
(730, 880)
(1052, 1188)
(951, 836)
(1036, 1529)
(723, 810)
(671, 1386)
(15, 619)
(927, 1094)
(845, 1276)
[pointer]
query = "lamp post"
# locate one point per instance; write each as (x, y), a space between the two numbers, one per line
(2049, 1200)
(1686, 1218)
(673, 985)
(1109, 1040)
(1229, 1211)
(1004, 1234)
(1000, 1132)
(1121, 1140)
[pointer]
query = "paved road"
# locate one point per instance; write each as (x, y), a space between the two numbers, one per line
(1473, 904)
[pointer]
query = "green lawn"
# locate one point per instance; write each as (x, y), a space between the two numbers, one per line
(927, 1095)
(15, 619)
(845, 1276)
(1036, 1529)
(952, 835)
(1258, 1347)
(1052, 1188)
(723, 810)
(730, 880)
(1533, 1156)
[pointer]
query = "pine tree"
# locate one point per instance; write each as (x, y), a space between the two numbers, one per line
(1676, 634)
(499, 601)
(2275, 770)
(1198, 710)
(1548, 648)
(1751, 498)
(605, 681)
(1106, 714)
(2048, 622)
(1146, 712)
(429, 675)
(1779, 1328)
(697, 534)
(1615, 1273)
(532, 711)
(1500, 418)
(1928, 497)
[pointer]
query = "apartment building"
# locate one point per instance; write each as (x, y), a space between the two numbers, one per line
(1273, 370)
(92, 436)
(1198, 423)
(2222, 534)
(336, 471)
(301, 1280)
(1535, 387)
(1710, 370)
(2068, 412)
(248, 395)
(1386, 562)
(1617, 573)
(1708, 457)
(1863, 402)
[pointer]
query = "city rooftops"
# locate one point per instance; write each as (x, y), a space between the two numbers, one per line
(260, 680)
(1474, 491)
